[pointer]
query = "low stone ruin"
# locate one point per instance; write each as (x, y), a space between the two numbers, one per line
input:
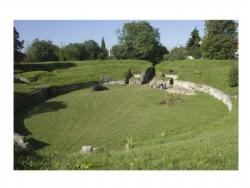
(90, 149)
(189, 88)
(136, 78)
(114, 82)
(226, 99)
(18, 79)
(174, 76)
(20, 145)
(181, 90)
(156, 83)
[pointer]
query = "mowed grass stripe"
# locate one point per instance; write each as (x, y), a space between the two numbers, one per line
(108, 118)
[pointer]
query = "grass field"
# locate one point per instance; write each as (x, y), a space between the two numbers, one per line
(210, 72)
(62, 73)
(195, 133)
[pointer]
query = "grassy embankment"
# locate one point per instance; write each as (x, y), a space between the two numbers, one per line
(196, 133)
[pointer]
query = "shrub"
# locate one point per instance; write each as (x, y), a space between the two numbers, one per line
(233, 75)
(42, 50)
(177, 53)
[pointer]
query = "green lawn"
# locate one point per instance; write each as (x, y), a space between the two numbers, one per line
(211, 72)
(198, 129)
(196, 133)
(62, 73)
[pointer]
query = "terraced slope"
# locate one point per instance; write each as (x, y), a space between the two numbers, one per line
(63, 73)
(210, 72)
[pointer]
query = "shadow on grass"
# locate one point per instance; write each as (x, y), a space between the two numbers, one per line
(48, 106)
(25, 67)
(37, 144)
(26, 112)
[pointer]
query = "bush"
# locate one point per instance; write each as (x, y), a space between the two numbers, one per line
(177, 53)
(42, 50)
(73, 52)
(195, 52)
(233, 75)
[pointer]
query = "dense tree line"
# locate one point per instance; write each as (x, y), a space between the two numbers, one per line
(41, 50)
(139, 40)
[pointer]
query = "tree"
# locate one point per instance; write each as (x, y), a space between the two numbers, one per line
(194, 40)
(18, 46)
(103, 54)
(92, 49)
(42, 50)
(193, 44)
(220, 40)
(139, 40)
(73, 52)
(118, 51)
(177, 53)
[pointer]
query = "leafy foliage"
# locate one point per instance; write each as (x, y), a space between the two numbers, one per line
(73, 52)
(139, 40)
(92, 49)
(103, 53)
(118, 51)
(221, 39)
(177, 53)
(18, 46)
(193, 44)
(42, 50)
(194, 40)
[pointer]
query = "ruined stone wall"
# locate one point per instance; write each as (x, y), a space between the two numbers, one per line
(114, 82)
(48, 92)
(226, 99)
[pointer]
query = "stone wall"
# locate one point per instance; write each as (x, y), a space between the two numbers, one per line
(142, 78)
(48, 92)
(114, 82)
(226, 99)
(156, 82)
(136, 79)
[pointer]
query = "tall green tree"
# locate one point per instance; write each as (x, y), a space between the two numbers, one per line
(18, 46)
(140, 41)
(194, 40)
(193, 46)
(220, 40)
(103, 53)
(92, 49)
(42, 50)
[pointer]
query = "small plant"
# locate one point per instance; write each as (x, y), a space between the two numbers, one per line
(131, 166)
(171, 99)
(129, 143)
(82, 166)
(164, 101)
(163, 134)
(172, 71)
